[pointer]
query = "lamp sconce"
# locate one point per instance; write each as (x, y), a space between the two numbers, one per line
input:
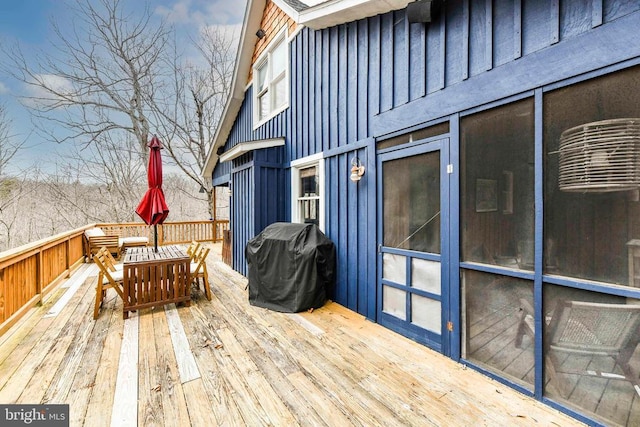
(357, 170)
(260, 33)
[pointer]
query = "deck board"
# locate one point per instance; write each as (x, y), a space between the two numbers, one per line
(256, 367)
(173, 401)
(101, 398)
(150, 408)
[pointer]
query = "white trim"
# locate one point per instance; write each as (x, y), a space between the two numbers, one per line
(281, 37)
(296, 165)
(245, 147)
(287, 9)
(306, 161)
(336, 12)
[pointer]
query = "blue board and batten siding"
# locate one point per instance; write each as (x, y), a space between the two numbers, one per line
(379, 76)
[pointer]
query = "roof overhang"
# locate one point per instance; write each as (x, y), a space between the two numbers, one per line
(252, 19)
(245, 147)
(336, 12)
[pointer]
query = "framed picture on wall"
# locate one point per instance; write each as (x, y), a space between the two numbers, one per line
(486, 195)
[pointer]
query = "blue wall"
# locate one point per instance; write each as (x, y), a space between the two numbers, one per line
(382, 75)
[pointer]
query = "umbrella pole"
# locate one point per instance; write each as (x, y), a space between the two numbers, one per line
(155, 235)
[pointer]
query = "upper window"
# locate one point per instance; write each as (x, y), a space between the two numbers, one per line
(497, 186)
(591, 196)
(270, 78)
(307, 177)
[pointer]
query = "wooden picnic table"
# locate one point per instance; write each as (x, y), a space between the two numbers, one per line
(155, 278)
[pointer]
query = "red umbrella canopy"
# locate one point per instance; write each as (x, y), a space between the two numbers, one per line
(152, 208)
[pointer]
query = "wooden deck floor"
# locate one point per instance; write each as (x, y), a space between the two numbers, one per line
(224, 362)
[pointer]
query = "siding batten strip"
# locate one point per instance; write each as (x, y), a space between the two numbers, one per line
(489, 32)
(554, 20)
(596, 13)
(466, 53)
(125, 401)
(443, 48)
(517, 29)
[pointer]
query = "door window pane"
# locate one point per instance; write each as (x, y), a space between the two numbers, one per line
(426, 313)
(497, 186)
(411, 202)
(394, 302)
(394, 268)
(591, 224)
(425, 275)
(495, 312)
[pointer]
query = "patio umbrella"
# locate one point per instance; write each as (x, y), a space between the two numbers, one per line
(152, 208)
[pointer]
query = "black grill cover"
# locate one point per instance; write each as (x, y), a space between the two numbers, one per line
(291, 267)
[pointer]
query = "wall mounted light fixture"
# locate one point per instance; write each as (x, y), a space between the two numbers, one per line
(357, 170)
(260, 33)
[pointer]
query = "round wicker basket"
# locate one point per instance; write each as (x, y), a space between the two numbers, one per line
(600, 156)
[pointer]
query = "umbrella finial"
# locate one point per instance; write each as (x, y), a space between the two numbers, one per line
(155, 142)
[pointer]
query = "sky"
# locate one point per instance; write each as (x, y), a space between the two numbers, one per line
(28, 23)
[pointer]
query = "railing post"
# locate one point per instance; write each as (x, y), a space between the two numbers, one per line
(39, 276)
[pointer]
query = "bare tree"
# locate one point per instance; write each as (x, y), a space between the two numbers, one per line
(12, 189)
(113, 78)
(99, 76)
(113, 183)
(191, 119)
(9, 145)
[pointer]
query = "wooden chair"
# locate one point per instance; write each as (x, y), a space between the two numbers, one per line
(192, 249)
(107, 278)
(198, 270)
(587, 329)
(110, 261)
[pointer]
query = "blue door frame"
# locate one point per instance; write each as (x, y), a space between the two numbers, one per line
(444, 339)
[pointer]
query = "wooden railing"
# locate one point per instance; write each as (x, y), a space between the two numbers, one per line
(171, 232)
(31, 271)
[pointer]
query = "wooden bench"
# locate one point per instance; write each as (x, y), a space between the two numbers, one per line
(95, 238)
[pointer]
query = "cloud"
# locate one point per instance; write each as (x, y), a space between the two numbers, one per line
(176, 14)
(3, 89)
(203, 12)
(35, 94)
(52, 81)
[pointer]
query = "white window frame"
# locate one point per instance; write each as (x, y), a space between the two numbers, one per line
(265, 60)
(316, 160)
